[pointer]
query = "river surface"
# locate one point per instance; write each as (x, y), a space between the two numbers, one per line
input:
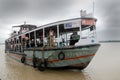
(104, 66)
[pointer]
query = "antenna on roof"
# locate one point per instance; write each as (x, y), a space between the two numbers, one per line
(93, 7)
(24, 22)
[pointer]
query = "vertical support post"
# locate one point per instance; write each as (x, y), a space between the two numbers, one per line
(43, 37)
(93, 8)
(18, 43)
(66, 39)
(21, 44)
(95, 34)
(29, 40)
(43, 45)
(35, 38)
(58, 35)
(80, 29)
(14, 43)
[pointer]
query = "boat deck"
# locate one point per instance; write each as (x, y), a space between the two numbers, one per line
(60, 48)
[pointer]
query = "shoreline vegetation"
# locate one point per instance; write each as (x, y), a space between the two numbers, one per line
(109, 41)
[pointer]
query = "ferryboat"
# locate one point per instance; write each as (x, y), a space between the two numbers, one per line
(68, 43)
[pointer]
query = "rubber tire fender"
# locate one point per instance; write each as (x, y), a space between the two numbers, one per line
(42, 65)
(61, 56)
(23, 59)
(34, 62)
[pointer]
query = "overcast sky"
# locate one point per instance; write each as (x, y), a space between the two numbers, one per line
(38, 12)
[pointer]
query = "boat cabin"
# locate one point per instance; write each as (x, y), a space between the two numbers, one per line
(66, 33)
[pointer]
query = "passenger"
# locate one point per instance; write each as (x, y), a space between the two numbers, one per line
(23, 42)
(41, 40)
(51, 36)
(27, 44)
(61, 40)
(32, 43)
(74, 38)
(38, 42)
(11, 44)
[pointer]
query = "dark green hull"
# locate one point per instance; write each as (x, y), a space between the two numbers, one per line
(78, 57)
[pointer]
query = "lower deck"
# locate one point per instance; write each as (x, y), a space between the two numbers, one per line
(78, 56)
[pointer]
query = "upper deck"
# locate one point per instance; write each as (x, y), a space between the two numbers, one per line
(33, 28)
(70, 32)
(60, 22)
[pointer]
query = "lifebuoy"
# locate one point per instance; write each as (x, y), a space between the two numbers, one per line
(42, 65)
(34, 62)
(23, 59)
(61, 56)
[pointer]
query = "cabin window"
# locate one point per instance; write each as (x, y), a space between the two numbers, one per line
(27, 35)
(32, 42)
(50, 35)
(27, 40)
(92, 28)
(66, 30)
(39, 37)
(47, 29)
(20, 38)
(62, 29)
(17, 41)
(31, 35)
(87, 28)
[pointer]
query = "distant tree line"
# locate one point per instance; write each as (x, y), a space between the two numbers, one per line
(105, 41)
(2, 43)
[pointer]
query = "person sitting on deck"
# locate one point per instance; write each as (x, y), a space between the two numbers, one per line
(32, 43)
(74, 38)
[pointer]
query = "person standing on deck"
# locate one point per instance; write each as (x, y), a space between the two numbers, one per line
(41, 40)
(74, 38)
(61, 41)
(51, 35)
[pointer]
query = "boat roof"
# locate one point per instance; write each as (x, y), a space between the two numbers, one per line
(59, 22)
(53, 24)
(27, 26)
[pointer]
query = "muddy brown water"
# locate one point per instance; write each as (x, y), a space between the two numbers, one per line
(104, 66)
